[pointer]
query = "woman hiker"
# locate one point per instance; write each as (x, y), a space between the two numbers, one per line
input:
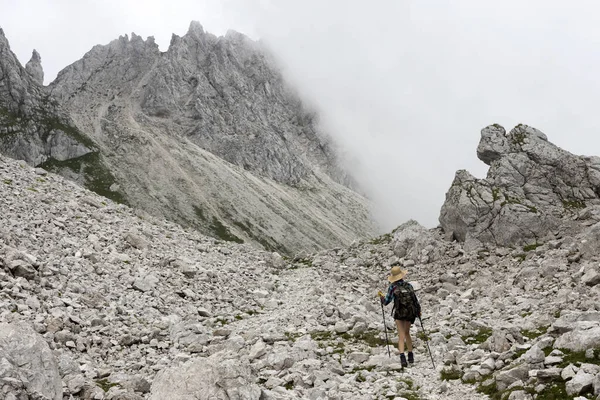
(406, 309)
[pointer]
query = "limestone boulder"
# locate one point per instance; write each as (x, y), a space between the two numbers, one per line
(27, 364)
(219, 377)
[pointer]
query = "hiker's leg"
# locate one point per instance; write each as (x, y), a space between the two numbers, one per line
(401, 337)
(409, 345)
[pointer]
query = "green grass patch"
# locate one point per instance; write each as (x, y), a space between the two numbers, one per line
(97, 177)
(7, 181)
(360, 377)
(518, 138)
(105, 385)
(365, 368)
(450, 375)
(289, 385)
(292, 336)
(521, 257)
(321, 335)
(554, 391)
(489, 390)
(495, 194)
(304, 261)
(573, 204)
(410, 395)
(383, 239)
(481, 336)
(578, 357)
(199, 213)
(222, 231)
(533, 334)
(531, 247)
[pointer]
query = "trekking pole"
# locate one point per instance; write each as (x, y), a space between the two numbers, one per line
(427, 341)
(387, 342)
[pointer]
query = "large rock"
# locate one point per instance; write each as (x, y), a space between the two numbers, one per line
(532, 188)
(581, 383)
(27, 365)
(585, 335)
(219, 377)
(415, 242)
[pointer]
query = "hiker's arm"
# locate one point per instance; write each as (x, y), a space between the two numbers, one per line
(389, 296)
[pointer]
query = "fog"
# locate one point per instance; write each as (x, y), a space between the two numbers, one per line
(404, 87)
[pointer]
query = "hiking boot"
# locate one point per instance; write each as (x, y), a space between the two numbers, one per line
(411, 357)
(403, 360)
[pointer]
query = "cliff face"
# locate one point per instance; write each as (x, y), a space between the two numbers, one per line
(209, 135)
(533, 191)
(35, 128)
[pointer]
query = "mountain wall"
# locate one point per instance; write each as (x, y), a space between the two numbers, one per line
(206, 134)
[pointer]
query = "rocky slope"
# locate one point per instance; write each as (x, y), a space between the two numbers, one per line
(533, 191)
(208, 134)
(99, 301)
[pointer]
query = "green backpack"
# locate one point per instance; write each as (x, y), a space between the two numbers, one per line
(405, 303)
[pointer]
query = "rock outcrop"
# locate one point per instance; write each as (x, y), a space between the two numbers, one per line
(209, 135)
(534, 191)
(34, 68)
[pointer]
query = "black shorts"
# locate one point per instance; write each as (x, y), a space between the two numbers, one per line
(400, 317)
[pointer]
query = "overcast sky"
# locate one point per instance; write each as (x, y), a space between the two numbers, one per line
(403, 86)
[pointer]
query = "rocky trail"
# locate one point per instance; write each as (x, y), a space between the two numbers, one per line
(100, 301)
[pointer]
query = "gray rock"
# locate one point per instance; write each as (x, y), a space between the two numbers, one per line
(505, 378)
(203, 312)
(136, 241)
(581, 338)
(549, 374)
(26, 358)
(493, 144)
(534, 355)
(359, 357)
(519, 395)
(591, 277)
(146, 282)
(414, 242)
(214, 377)
(581, 383)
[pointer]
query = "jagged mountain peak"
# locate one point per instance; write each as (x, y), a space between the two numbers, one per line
(34, 67)
(195, 29)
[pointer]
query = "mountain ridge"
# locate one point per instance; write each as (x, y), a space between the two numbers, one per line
(208, 135)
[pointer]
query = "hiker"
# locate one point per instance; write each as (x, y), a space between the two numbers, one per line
(406, 309)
